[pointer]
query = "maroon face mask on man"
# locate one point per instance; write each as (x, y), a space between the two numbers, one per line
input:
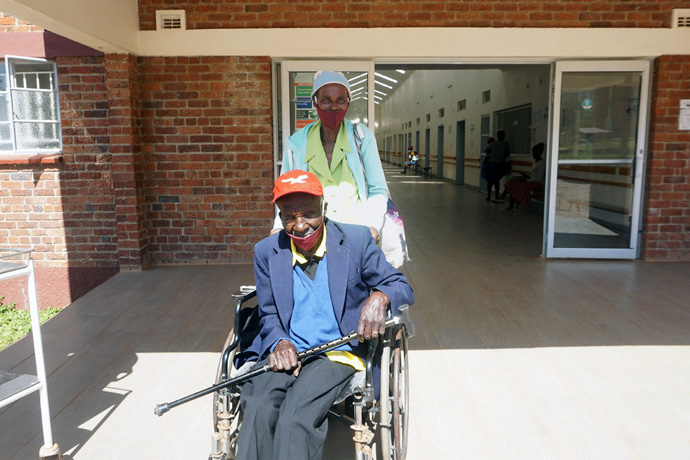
(307, 242)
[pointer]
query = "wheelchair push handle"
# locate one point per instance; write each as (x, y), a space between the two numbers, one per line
(403, 319)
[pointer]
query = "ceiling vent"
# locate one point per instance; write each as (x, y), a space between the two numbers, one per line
(171, 20)
(681, 18)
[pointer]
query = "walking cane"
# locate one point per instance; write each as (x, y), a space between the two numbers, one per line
(403, 318)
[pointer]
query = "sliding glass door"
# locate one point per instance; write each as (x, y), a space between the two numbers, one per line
(597, 162)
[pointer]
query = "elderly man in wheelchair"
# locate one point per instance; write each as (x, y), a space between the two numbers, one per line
(320, 285)
(315, 281)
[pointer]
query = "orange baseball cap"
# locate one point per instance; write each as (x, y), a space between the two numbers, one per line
(296, 181)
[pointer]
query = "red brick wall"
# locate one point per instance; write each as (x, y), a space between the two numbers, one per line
(207, 136)
(86, 182)
(64, 209)
(127, 161)
(232, 14)
(11, 24)
(667, 201)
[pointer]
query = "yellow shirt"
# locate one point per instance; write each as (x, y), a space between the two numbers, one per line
(339, 187)
(342, 357)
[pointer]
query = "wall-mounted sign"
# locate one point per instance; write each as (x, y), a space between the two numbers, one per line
(303, 103)
(684, 116)
(303, 89)
(587, 103)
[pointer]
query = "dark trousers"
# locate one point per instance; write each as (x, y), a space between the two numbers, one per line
(285, 416)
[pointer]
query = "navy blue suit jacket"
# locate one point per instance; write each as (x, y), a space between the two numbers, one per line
(355, 266)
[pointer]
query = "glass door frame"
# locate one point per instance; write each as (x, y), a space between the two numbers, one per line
(637, 163)
(313, 66)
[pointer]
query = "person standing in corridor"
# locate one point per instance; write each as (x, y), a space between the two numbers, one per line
(498, 164)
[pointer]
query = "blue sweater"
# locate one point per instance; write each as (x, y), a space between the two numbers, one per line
(313, 320)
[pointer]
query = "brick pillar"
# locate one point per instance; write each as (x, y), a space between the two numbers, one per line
(122, 83)
(667, 201)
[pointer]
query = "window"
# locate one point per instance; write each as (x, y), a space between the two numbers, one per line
(428, 117)
(29, 110)
(441, 113)
(486, 96)
(485, 130)
(462, 105)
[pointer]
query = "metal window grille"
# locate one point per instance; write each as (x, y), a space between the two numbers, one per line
(29, 108)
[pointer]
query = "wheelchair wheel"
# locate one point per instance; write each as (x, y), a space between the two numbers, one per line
(219, 375)
(228, 402)
(394, 395)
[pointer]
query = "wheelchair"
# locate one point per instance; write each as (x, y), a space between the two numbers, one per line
(379, 422)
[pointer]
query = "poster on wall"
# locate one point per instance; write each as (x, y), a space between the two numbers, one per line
(303, 105)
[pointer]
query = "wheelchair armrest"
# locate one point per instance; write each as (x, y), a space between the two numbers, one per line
(406, 321)
(246, 293)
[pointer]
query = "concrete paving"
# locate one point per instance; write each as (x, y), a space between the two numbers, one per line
(516, 356)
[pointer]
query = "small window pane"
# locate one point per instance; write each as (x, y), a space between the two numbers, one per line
(37, 136)
(3, 82)
(34, 105)
(5, 137)
(4, 107)
(44, 81)
(30, 81)
(33, 67)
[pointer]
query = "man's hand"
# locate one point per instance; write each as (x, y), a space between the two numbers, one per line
(372, 318)
(284, 358)
(374, 233)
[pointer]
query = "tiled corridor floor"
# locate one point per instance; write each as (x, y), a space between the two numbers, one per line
(516, 357)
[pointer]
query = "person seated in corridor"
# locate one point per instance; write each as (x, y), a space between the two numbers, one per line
(412, 160)
(521, 188)
(316, 280)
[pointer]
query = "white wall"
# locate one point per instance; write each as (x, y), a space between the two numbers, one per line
(427, 91)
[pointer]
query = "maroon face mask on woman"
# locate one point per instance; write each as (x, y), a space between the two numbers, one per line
(331, 118)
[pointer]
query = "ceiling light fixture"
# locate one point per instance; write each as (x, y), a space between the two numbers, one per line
(382, 84)
(385, 77)
(400, 71)
(380, 92)
(356, 77)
